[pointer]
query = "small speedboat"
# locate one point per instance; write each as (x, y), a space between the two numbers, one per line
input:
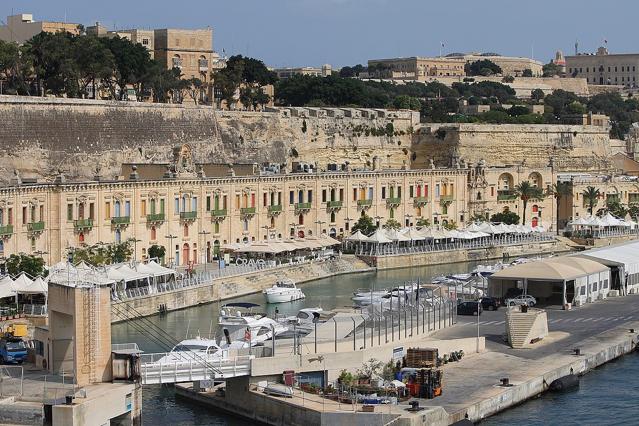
(283, 291)
(238, 323)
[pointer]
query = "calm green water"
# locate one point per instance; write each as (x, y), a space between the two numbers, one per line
(160, 405)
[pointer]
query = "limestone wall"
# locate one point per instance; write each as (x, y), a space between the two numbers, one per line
(524, 85)
(573, 148)
(39, 136)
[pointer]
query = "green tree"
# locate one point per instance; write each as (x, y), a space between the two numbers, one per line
(551, 69)
(558, 191)
(483, 67)
(195, 87)
(100, 255)
(423, 222)
(407, 102)
(508, 79)
(450, 225)
(591, 197)
(95, 62)
(537, 95)
(576, 108)
(31, 265)
(157, 252)
(54, 64)
(15, 66)
(633, 211)
(527, 73)
(247, 74)
(365, 225)
(527, 191)
(392, 224)
(133, 66)
(615, 208)
(508, 218)
(477, 218)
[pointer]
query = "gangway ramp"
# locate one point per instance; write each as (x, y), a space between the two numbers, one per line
(344, 321)
(155, 369)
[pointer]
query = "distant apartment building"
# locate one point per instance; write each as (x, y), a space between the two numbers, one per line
(415, 68)
(189, 50)
(22, 27)
(510, 65)
(605, 68)
(143, 37)
(323, 71)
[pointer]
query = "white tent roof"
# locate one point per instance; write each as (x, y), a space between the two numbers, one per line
(435, 234)
(626, 255)
(473, 227)
(395, 235)
(357, 237)
(328, 241)
(131, 274)
(40, 286)
(22, 284)
(379, 237)
(6, 287)
(413, 234)
(554, 269)
(159, 269)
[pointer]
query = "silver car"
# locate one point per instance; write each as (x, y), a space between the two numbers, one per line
(524, 299)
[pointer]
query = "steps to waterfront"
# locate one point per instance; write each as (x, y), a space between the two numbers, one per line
(525, 328)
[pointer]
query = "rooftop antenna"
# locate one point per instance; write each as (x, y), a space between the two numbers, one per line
(576, 47)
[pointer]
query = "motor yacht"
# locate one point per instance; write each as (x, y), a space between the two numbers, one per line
(238, 323)
(196, 350)
(283, 291)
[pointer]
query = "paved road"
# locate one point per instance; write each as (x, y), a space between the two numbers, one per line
(571, 326)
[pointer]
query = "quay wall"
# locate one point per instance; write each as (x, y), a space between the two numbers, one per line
(456, 256)
(234, 286)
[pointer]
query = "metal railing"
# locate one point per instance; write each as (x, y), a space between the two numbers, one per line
(364, 203)
(302, 206)
(34, 310)
(394, 201)
(154, 369)
(81, 224)
(121, 220)
(393, 249)
(247, 210)
(188, 215)
(6, 230)
(420, 201)
(218, 213)
(334, 204)
(275, 209)
(35, 226)
(155, 217)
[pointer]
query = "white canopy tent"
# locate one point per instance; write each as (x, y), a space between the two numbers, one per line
(357, 237)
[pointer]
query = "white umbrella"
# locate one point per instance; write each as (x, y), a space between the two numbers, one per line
(413, 234)
(473, 227)
(395, 235)
(22, 284)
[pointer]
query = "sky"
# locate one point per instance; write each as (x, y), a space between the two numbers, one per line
(347, 32)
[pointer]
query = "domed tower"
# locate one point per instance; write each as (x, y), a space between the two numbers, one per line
(561, 61)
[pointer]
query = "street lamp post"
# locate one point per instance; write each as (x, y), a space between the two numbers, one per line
(171, 237)
(319, 224)
(206, 257)
(135, 242)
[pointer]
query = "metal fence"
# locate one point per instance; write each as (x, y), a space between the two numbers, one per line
(392, 249)
(34, 310)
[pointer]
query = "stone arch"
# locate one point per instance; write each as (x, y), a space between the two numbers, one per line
(536, 180)
(506, 182)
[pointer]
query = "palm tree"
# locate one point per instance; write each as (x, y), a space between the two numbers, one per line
(558, 190)
(591, 196)
(527, 191)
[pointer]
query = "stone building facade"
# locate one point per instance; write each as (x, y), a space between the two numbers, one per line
(510, 65)
(22, 27)
(415, 68)
(603, 68)
(192, 216)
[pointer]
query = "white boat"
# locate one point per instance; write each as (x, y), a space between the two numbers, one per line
(304, 322)
(197, 349)
(237, 323)
(283, 291)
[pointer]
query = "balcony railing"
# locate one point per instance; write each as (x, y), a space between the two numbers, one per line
(302, 206)
(188, 215)
(275, 209)
(218, 213)
(420, 201)
(121, 220)
(337, 204)
(364, 203)
(83, 224)
(155, 217)
(393, 201)
(6, 230)
(245, 211)
(35, 226)
(446, 198)
(506, 196)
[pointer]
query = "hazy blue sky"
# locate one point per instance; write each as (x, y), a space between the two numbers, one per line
(344, 32)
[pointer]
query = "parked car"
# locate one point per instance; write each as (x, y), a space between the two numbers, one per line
(489, 303)
(513, 292)
(469, 308)
(524, 299)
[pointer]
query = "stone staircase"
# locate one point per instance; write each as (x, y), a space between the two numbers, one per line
(524, 328)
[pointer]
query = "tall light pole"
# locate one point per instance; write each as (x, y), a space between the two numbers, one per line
(204, 232)
(171, 237)
(319, 224)
(135, 242)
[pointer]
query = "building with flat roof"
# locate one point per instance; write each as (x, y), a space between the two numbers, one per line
(140, 36)
(189, 50)
(323, 71)
(604, 68)
(510, 65)
(22, 27)
(415, 68)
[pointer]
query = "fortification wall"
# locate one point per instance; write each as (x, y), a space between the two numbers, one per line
(40, 136)
(524, 85)
(570, 148)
